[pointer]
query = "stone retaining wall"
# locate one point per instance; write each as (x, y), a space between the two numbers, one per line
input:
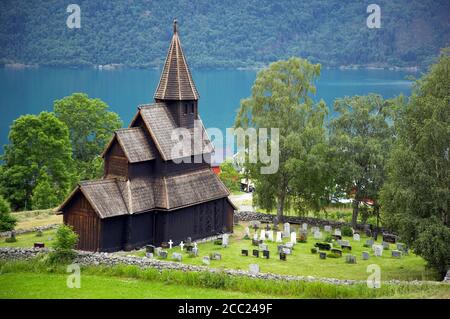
(268, 218)
(29, 230)
(111, 259)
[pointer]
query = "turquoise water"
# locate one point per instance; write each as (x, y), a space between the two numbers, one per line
(31, 91)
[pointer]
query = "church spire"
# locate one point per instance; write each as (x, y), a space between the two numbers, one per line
(176, 82)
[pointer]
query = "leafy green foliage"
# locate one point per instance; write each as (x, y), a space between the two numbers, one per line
(229, 176)
(64, 243)
(90, 127)
(416, 196)
(360, 139)
(346, 231)
(225, 33)
(38, 144)
(7, 221)
(281, 98)
(44, 194)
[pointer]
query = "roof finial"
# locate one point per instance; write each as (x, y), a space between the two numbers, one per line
(175, 27)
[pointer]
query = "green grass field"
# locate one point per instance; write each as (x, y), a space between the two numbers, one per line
(37, 279)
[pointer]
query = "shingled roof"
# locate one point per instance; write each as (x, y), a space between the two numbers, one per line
(160, 123)
(176, 81)
(113, 197)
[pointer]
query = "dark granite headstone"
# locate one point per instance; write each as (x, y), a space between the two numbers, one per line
(244, 252)
(149, 249)
(256, 253)
(39, 245)
(322, 255)
(282, 256)
(266, 254)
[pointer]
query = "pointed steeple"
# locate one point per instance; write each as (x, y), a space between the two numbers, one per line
(176, 82)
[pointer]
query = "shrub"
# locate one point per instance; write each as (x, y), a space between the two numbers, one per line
(7, 221)
(329, 238)
(323, 246)
(314, 250)
(65, 242)
(11, 239)
(347, 231)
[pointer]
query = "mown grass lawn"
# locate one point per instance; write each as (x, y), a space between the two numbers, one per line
(304, 263)
(28, 240)
(34, 286)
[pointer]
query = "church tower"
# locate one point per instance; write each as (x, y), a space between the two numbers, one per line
(176, 87)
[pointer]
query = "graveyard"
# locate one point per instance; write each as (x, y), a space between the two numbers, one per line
(301, 261)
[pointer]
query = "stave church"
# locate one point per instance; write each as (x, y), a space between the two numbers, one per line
(150, 194)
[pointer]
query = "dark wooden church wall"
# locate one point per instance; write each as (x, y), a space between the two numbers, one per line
(80, 215)
(142, 230)
(113, 233)
(116, 163)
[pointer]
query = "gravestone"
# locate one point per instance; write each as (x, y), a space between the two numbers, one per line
(38, 245)
(336, 237)
(247, 233)
(150, 249)
(403, 248)
(280, 248)
(262, 236)
(327, 228)
(225, 240)
(244, 252)
(206, 260)
(293, 237)
(346, 247)
(339, 242)
(305, 226)
(217, 256)
(287, 251)
(287, 229)
(270, 235)
(158, 251)
(386, 245)
(194, 252)
(163, 254)
(164, 245)
(356, 237)
(369, 243)
(323, 246)
(177, 256)
(282, 256)
(337, 252)
(447, 276)
(255, 224)
(350, 259)
(275, 223)
(337, 232)
(389, 238)
(303, 237)
(317, 235)
(39, 233)
(289, 245)
(279, 240)
(256, 253)
(255, 236)
(254, 269)
(365, 255)
(322, 255)
(266, 254)
(263, 247)
(344, 243)
(396, 254)
(314, 229)
(149, 255)
(377, 250)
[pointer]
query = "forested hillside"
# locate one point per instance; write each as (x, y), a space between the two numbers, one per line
(225, 33)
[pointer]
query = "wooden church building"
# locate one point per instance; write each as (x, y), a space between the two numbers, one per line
(146, 196)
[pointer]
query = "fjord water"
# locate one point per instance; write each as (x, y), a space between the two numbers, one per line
(30, 91)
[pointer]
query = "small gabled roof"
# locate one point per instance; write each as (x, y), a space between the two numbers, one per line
(134, 143)
(160, 123)
(176, 81)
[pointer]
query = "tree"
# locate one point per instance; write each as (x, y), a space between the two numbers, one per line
(38, 143)
(416, 196)
(281, 98)
(7, 221)
(65, 241)
(360, 139)
(44, 194)
(229, 176)
(90, 124)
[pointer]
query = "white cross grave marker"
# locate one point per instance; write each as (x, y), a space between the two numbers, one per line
(170, 244)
